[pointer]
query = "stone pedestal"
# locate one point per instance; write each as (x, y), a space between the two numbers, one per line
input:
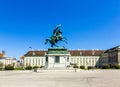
(57, 58)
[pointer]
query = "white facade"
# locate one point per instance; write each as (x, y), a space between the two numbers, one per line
(57, 61)
(48, 58)
(8, 61)
(86, 60)
(79, 60)
(34, 61)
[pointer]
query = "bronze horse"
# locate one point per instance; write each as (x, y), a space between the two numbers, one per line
(57, 36)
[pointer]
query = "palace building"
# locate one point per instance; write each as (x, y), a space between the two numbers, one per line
(7, 60)
(61, 58)
(111, 56)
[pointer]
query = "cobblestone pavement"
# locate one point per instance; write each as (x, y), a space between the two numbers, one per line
(60, 78)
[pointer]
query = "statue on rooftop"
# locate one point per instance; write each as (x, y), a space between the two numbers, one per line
(57, 36)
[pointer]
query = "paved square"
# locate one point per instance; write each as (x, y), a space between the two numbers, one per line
(59, 78)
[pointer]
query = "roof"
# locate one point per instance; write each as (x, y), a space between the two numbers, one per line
(1, 55)
(86, 52)
(72, 52)
(35, 53)
(114, 48)
(22, 57)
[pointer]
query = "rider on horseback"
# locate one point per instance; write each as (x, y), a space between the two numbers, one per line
(57, 36)
(57, 32)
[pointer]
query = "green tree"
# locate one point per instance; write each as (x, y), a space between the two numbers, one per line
(75, 66)
(28, 68)
(82, 67)
(9, 67)
(90, 67)
(1, 66)
(13, 64)
(105, 66)
(116, 66)
(35, 67)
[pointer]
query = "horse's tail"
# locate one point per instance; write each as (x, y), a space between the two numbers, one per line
(65, 38)
(46, 41)
(65, 41)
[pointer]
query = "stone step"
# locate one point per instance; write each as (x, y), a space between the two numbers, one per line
(58, 68)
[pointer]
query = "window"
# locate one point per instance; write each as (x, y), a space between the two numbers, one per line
(26, 61)
(39, 61)
(36, 61)
(77, 60)
(42, 61)
(30, 61)
(33, 61)
(71, 59)
(67, 59)
(57, 59)
(46, 59)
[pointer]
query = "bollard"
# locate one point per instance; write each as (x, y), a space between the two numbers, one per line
(75, 69)
(35, 69)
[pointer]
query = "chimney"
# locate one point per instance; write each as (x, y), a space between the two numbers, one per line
(33, 53)
(80, 53)
(93, 52)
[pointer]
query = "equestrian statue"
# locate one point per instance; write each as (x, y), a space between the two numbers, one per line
(56, 37)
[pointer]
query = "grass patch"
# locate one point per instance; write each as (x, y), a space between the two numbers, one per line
(18, 69)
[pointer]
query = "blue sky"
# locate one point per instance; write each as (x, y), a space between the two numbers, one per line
(87, 24)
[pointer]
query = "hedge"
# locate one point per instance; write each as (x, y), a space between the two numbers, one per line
(116, 66)
(105, 67)
(82, 67)
(35, 67)
(9, 67)
(18, 69)
(90, 67)
(28, 68)
(41, 66)
(75, 66)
